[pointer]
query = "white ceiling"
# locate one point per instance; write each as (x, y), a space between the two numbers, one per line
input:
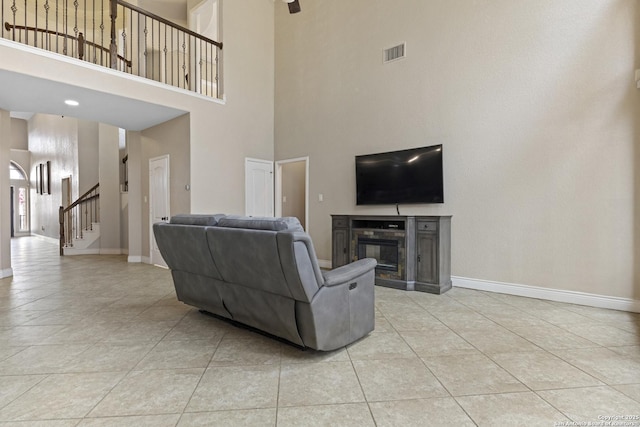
(24, 95)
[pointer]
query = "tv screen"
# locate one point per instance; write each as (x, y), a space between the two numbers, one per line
(407, 176)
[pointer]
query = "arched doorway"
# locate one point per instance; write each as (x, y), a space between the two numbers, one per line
(19, 201)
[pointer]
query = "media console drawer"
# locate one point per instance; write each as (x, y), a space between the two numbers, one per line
(427, 226)
(340, 222)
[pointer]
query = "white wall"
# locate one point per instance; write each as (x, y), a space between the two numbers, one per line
(536, 106)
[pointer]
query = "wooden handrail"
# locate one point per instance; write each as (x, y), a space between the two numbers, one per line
(169, 23)
(81, 39)
(83, 198)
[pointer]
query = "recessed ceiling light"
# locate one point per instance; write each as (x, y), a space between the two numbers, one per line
(72, 102)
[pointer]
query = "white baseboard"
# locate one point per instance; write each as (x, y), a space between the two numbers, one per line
(139, 259)
(324, 263)
(559, 295)
(7, 272)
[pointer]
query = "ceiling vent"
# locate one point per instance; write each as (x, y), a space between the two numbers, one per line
(394, 53)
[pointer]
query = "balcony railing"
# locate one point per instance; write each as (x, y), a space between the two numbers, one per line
(118, 35)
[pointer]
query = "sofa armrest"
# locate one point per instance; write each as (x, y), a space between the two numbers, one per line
(348, 272)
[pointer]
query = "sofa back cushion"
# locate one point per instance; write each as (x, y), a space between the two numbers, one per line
(185, 248)
(248, 258)
(196, 219)
(261, 223)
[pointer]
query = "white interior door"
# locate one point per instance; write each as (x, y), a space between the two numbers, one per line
(258, 187)
(158, 201)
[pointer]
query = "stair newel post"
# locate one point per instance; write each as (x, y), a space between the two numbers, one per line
(61, 220)
(113, 48)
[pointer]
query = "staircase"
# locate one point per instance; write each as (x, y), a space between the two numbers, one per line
(89, 243)
(80, 225)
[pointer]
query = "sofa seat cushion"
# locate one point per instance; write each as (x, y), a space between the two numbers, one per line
(261, 223)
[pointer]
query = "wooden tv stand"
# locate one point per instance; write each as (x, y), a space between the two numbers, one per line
(413, 252)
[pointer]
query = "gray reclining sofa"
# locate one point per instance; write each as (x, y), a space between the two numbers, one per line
(263, 272)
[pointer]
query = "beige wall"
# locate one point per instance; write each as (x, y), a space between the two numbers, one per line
(536, 106)
(109, 174)
(19, 134)
(5, 194)
(54, 139)
(88, 156)
(170, 138)
(244, 127)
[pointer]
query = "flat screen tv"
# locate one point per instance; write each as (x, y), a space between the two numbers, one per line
(406, 176)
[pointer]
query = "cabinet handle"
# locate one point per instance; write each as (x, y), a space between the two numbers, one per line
(344, 250)
(418, 257)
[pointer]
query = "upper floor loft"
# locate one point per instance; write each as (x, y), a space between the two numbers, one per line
(177, 49)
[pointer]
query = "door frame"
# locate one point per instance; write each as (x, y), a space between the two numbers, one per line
(168, 206)
(278, 189)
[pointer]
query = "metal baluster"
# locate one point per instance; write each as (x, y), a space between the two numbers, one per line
(200, 63)
(26, 32)
(172, 56)
(166, 74)
(35, 31)
(184, 60)
(113, 48)
(65, 25)
(217, 72)
(212, 67)
(93, 39)
(75, 26)
(131, 44)
(124, 42)
(46, 23)
(57, 36)
(159, 55)
(14, 9)
(102, 32)
(146, 65)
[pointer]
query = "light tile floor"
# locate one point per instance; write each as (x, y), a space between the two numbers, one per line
(95, 341)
